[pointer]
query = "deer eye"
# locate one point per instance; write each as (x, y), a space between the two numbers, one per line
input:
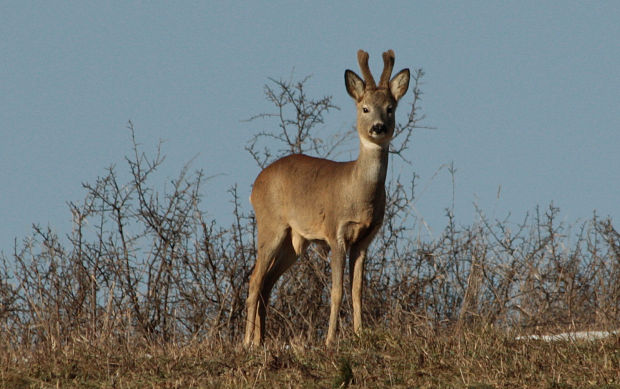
(365, 110)
(390, 109)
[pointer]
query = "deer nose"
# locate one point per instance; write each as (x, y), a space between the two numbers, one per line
(378, 128)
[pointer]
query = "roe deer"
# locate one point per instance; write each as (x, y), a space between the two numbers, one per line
(300, 199)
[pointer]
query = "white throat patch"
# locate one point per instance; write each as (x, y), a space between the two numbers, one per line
(370, 145)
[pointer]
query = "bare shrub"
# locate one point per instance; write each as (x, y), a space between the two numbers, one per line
(140, 264)
(145, 264)
(526, 275)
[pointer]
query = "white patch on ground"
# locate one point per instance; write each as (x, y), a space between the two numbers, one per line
(571, 336)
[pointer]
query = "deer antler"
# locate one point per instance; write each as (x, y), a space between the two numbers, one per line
(388, 65)
(362, 58)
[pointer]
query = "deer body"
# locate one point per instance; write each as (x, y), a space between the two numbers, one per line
(300, 199)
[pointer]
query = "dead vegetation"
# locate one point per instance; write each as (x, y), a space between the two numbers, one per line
(481, 357)
(147, 291)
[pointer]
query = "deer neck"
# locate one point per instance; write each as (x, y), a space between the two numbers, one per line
(371, 165)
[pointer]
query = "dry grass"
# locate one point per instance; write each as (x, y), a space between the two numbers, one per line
(148, 291)
(474, 358)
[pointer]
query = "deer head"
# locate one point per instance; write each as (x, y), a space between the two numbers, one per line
(376, 104)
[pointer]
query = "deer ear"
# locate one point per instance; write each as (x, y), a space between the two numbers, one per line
(399, 84)
(355, 85)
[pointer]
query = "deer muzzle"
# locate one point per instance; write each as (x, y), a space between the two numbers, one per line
(378, 128)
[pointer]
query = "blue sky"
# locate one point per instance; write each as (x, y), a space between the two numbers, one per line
(524, 96)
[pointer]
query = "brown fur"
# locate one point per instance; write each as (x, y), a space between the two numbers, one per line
(299, 199)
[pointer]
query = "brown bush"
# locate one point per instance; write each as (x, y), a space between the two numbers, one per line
(148, 265)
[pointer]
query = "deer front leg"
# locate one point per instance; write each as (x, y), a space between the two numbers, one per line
(356, 275)
(337, 265)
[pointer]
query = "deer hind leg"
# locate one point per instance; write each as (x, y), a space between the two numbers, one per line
(284, 259)
(269, 243)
